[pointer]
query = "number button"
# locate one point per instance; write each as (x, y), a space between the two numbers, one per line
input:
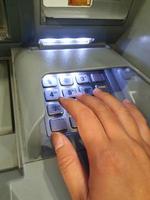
(69, 92)
(66, 80)
(49, 81)
(54, 109)
(82, 79)
(58, 124)
(86, 89)
(51, 94)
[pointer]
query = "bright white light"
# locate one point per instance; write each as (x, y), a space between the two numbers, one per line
(65, 41)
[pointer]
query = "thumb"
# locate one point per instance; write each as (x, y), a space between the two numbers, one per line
(70, 167)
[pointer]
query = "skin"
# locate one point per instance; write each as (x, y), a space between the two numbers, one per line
(117, 139)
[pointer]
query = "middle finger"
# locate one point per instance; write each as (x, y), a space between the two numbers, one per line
(108, 119)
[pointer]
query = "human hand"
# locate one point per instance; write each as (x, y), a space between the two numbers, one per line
(117, 139)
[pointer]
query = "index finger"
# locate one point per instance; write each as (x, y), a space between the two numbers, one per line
(89, 127)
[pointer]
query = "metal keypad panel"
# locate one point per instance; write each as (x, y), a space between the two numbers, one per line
(122, 82)
(68, 85)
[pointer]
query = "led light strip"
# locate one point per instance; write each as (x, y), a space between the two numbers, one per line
(65, 41)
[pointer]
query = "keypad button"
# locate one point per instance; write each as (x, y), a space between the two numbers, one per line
(58, 124)
(86, 89)
(82, 78)
(97, 77)
(54, 109)
(51, 94)
(66, 80)
(72, 122)
(105, 88)
(70, 92)
(49, 81)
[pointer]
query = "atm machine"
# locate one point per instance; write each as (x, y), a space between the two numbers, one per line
(59, 48)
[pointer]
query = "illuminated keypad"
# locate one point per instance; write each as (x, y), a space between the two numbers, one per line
(68, 85)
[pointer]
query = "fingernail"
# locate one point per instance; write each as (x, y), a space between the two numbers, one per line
(97, 90)
(57, 140)
(62, 99)
(127, 101)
